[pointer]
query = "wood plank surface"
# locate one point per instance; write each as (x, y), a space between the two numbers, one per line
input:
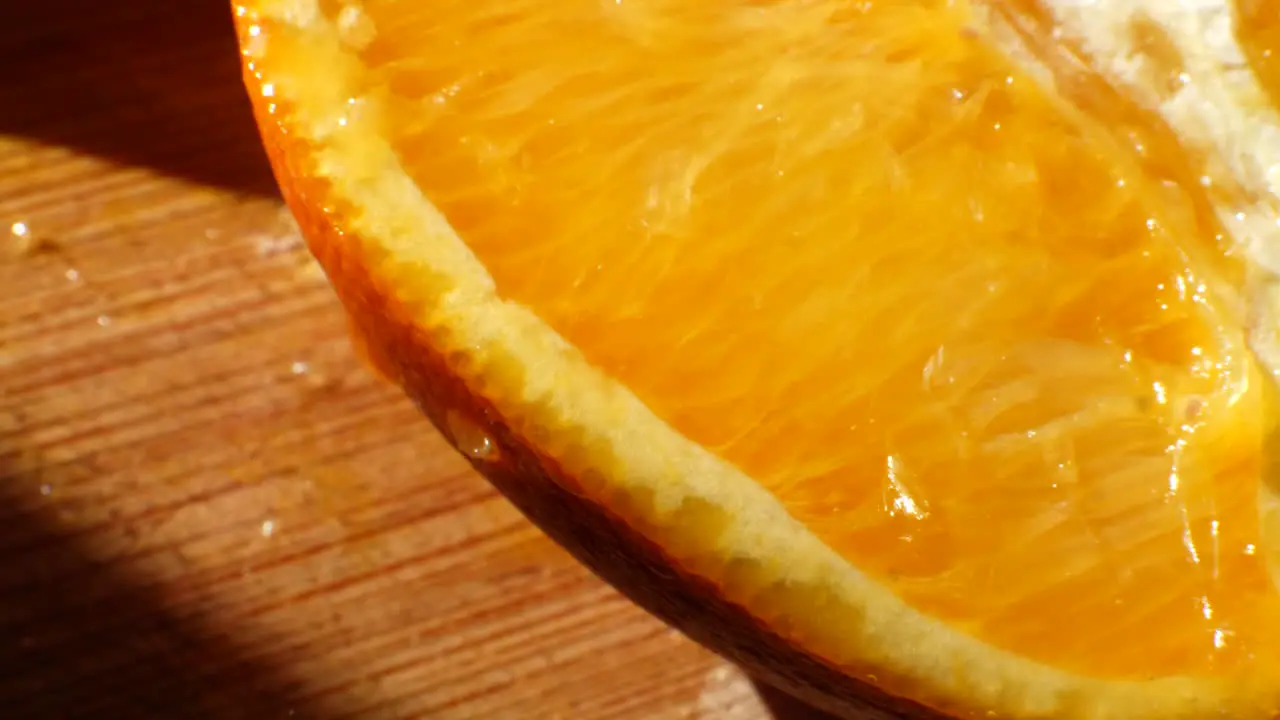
(208, 509)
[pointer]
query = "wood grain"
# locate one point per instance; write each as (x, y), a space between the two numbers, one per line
(208, 509)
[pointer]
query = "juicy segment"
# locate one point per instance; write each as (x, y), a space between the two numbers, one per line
(1258, 29)
(981, 344)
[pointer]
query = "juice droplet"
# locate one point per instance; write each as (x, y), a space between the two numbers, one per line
(470, 439)
(23, 242)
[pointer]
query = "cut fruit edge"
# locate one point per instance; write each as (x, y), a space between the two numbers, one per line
(713, 520)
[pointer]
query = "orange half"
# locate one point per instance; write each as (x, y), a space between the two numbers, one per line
(918, 350)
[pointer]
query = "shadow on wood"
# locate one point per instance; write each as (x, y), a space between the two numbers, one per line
(151, 83)
(88, 638)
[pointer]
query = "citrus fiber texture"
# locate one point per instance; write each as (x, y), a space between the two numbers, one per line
(926, 296)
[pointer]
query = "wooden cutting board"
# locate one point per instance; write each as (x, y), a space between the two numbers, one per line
(208, 509)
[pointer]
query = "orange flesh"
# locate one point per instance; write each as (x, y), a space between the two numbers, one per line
(1258, 31)
(984, 342)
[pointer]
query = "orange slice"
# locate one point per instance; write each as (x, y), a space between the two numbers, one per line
(917, 355)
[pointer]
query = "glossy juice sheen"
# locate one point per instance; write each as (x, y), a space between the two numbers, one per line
(982, 339)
